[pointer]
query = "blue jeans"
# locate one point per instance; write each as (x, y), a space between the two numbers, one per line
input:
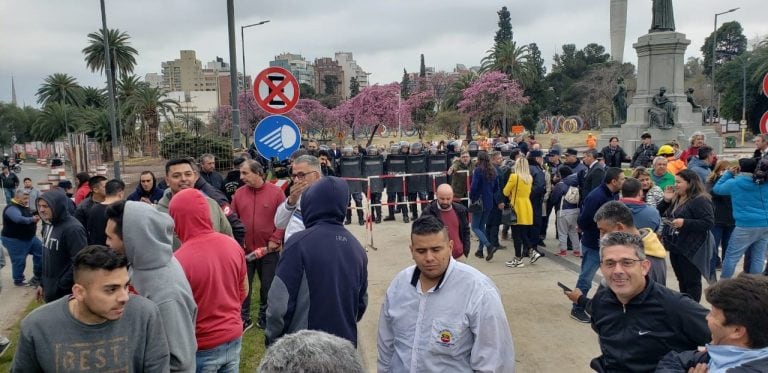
(479, 219)
(590, 262)
(8, 195)
(224, 358)
(743, 239)
(722, 235)
(18, 250)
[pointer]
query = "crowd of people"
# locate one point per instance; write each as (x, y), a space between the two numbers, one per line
(134, 283)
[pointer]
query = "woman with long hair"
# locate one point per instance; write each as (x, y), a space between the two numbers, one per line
(652, 193)
(518, 189)
(689, 216)
(484, 186)
(724, 222)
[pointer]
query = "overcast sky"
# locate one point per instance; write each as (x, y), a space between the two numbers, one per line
(42, 37)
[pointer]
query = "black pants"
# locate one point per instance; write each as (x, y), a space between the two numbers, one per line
(688, 276)
(412, 198)
(375, 200)
(545, 219)
(520, 235)
(533, 233)
(492, 227)
(265, 268)
(358, 198)
(394, 197)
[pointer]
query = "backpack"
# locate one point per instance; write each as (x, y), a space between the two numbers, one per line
(572, 195)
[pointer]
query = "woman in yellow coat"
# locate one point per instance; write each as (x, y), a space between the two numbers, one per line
(518, 189)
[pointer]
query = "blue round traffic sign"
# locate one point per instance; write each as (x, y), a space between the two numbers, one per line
(277, 136)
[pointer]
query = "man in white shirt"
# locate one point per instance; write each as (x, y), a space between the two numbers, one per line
(450, 310)
(305, 170)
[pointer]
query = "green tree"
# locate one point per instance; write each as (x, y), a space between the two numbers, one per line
(148, 104)
(510, 59)
(450, 122)
(404, 83)
(422, 75)
(354, 87)
(122, 55)
(731, 43)
(94, 97)
(18, 121)
(331, 84)
(307, 91)
(60, 88)
(567, 68)
(504, 33)
(56, 120)
(536, 89)
(455, 92)
(732, 75)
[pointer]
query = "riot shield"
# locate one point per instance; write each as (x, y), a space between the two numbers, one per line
(373, 165)
(416, 164)
(396, 164)
(352, 167)
(437, 163)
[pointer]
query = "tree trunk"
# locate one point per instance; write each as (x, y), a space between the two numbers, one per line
(370, 139)
(469, 130)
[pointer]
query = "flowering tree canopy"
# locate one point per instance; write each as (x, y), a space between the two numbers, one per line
(485, 97)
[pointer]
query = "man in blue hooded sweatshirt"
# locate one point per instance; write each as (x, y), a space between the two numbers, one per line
(322, 277)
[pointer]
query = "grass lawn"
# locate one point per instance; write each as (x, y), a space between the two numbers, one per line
(250, 356)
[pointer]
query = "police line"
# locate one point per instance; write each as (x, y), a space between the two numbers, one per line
(371, 192)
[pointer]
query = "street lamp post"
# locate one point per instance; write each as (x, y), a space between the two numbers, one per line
(714, 58)
(242, 41)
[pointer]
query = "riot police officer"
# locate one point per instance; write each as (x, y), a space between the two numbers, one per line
(417, 185)
(373, 165)
(350, 166)
(395, 165)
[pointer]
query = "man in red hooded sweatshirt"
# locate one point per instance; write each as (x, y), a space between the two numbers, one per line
(214, 265)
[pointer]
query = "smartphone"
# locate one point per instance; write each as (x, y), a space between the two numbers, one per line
(562, 286)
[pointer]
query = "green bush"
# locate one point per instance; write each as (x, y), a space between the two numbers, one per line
(183, 144)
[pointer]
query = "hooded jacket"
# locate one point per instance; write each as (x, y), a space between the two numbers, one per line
(218, 220)
(749, 199)
(322, 272)
(644, 216)
(214, 265)
(700, 167)
(158, 276)
(63, 238)
(238, 229)
(154, 195)
(559, 191)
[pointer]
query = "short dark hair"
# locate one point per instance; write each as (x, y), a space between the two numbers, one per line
(613, 138)
(113, 187)
(254, 166)
(645, 135)
(704, 152)
(323, 152)
(82, 177)
(115, 213)
(564, 171)
(612, 173)
(631, 188)
(615, 212)
(744, 302)
(26, 178)
(178, 161)
(426, 225)
(94, 181)
(239, 161)
(591, 152)
(96, 257)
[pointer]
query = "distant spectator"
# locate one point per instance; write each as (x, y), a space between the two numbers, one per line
(208, 171)
(83, 188)
(147, 191)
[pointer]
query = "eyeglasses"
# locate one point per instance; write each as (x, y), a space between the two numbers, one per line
(301, 175)
(625, 263)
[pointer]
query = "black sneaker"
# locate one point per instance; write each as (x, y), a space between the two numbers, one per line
(491, 251)
(34, 282)
(378, 220)
(580, 316)
(479, 254)
(20, 284)
(406, 220)
(247, 324)
(361, 221)
(347, 222)
(5, 343)
(389, 218)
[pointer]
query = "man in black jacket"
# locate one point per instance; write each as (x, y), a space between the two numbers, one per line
(637, 320)
(594, 174)
(739, 325)
(444, 209)
(63, 238)
(238, 229)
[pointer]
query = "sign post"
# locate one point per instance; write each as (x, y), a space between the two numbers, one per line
(276, 91)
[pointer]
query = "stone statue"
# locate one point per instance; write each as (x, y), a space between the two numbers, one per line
(620, 103)
(663, 17)
(689, 96)
(662, 115)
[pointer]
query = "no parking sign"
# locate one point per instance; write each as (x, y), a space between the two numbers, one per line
(276, 90)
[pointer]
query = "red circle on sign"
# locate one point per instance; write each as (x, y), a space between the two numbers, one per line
(276, 90)
(765, 84)
(764, 123)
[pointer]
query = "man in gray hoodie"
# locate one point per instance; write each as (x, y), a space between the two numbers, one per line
(145, 236)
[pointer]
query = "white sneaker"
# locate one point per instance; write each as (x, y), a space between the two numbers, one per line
(535, 255)
(515, 263)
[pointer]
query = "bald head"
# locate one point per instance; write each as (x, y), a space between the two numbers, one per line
(444, 196)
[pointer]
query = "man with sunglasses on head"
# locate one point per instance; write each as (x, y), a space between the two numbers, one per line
(637, 320)
(305, 171)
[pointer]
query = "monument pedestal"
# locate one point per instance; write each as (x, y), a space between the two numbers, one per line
(660, 63)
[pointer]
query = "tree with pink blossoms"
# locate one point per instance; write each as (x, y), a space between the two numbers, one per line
(418, 111)
(319, 121)
(492, 96)
(250, 116)
(373, 107)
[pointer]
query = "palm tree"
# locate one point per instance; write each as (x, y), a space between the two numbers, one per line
(455, 92)
(56, 121)
(60, 88)
(121, 53)
(147, 104)
(94, 97)
(510, 59)
(96, 125)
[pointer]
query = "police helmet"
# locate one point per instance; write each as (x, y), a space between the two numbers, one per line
(416, 148)
(347, 151)
(372, 150)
